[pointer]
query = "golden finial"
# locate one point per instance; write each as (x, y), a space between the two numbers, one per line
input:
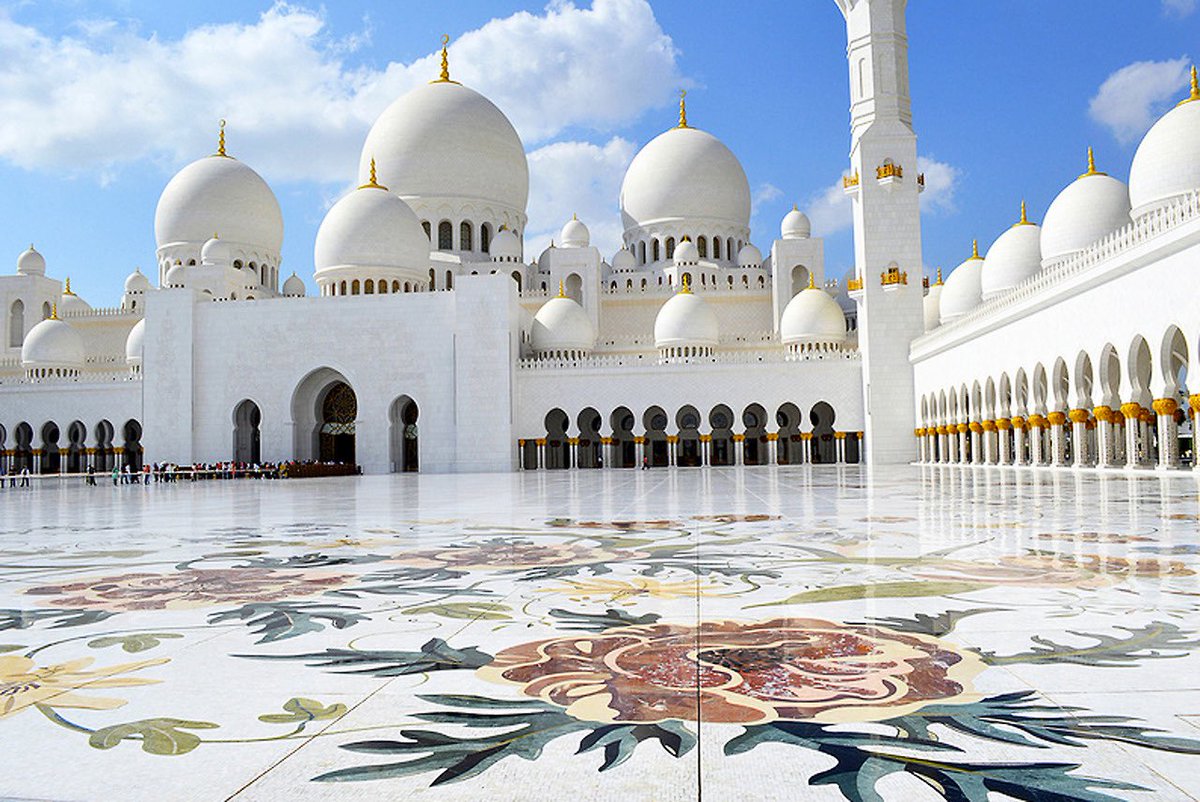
(67, 288)
(975, 249)
(562, 293)
(444, 77)
(683, 108)
(795, 207)
(686, 287)
(1195, 95)
(221, 141)
(1024, 221)
(54, 311)
(812, 282)
(939, 276)
(1091, 170)
(574, 216)
(372, 182)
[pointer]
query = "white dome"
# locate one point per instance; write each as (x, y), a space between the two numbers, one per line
(624, 261)
(749, 256)
(442, 140)
(294, 287)
(1089, 208)
(53, 343)
(31, 263)
(963, 290)
(1167, 162)
(176, 276)
(505, 246)
(371, 227)
(812, 316)
(685, 174)
(137, 281)
(222, 196)
(795, 225)
(562, 325)
(72, 304)
(933, 308)
(215, 251)
(685, 320)
(686, 253)
(1014, 256)
(134, 343)
(575, 234)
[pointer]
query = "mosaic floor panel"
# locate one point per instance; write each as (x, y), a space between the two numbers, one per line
(722, 634)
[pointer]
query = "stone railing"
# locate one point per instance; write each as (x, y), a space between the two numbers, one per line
(105, 311)
(773, 356)
(1126, 238)
(88, 377)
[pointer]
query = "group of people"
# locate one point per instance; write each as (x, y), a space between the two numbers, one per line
(171, 472)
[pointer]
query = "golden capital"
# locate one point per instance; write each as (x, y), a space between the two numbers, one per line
(1194, 403)
(1103, 413)
(963, 428)
(1131, 411)
(976, 428)
(1165, 406)
(1079, 415)
(1003, 424)
(1057, 418)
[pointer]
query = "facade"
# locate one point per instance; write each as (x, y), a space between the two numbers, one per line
(432, 342)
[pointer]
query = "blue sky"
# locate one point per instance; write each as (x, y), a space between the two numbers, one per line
(100, 102)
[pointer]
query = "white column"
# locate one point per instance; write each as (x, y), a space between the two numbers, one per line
(1194, 403)
(1037, 441)
(1004, 441)
(1105, 451)
(1020, 436)
(1079, 438)
(1131, 413)
(1168, 433)
(1058, 439)
(738, 450)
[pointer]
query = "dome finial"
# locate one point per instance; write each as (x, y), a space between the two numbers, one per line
(444, 77)
(686, 286)
(562, 293)
(683, 108)
(1024, 221)
(67, 288)
(372, 181)
(54, 311)
(221, 140)
(812, 281)
(975, 249)
(1195, 95)
(1091, 164)
(939, 276)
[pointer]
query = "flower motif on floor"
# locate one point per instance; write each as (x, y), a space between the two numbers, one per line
(24, 684)
(506, 554)
(1031, 570)
(741, 673)
(188, 588)
(629, 591)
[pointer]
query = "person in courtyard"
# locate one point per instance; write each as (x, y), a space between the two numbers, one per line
(91, 475)
(25, 477)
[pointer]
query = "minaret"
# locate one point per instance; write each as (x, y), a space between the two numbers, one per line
(884, 184)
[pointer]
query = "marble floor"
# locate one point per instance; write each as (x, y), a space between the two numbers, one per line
(723, 634)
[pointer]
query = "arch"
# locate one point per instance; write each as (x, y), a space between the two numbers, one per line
(670, 247)
(799, 279)
(16, 324)
(624, 442)
(587, 452)
(654, 248)
(516, 276)
(716, 247)
(574, 288)
(76, 447)
(1084, 380)
(642, 252)
(445, 236)
(789, 445)
(23, 451)
(324, 412)
(355, 286)
(369, 287)
(824, 444)
(720, 421)
(989, 399)
(485, 238)
(51, 462)
(688, 452)
(1109, 372)
(558, 449)
(247, 433)
(105, 455)
(466, 236)
(132, 458)
(1173, 361)
(1006, 397)
(655, 422)
(404, 435)
(449, 280)
(428, 230)
(1141, 370)
(46, 310)
(754, 437)
(702, 246)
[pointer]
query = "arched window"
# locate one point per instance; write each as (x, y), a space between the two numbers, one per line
(516, 276)
(354, 287)
(445, 236)
(16, 324)
(46, 310)
(730, 253)
(369, 287)
(449, 279)
(428, 231)
(670, 247)
(432, 280)
(396, 286)
(716, 247)
(654, 248)
(466, 236)
(642, 252)
(342, 291)
(702, 247)
(383, 285)
(485, 238)
(237, 264)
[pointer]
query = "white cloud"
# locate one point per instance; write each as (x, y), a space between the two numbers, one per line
(1178, 8)
(830, 209)
(578, 178)
(765, 193)
(298, 106)
(1130, 99)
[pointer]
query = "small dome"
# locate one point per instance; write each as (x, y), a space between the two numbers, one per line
(575, 234)
(72, 304)
(1167, 162)
(685, 320)
(795, 225)
(686, 254)
(1014, 256)
(562, 325)
(371, 227)
(812, 316)
(749, 256)
(133, 343)
(505, 246)
(963, 289)
(1089, 208)
(53, 343)
(294, 287)
(215, 252)
(176, 276)
(221, 194)
(933, 308)
(624, 261)
(31, 263)
(136, 281)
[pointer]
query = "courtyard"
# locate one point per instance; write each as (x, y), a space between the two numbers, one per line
(779, 633)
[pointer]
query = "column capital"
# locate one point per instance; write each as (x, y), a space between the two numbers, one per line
(1131, 411)
(1079, 415)
(1103, 413)
(1057, 418)
(1165, 406)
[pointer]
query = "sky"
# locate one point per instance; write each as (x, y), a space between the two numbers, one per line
(101, 101)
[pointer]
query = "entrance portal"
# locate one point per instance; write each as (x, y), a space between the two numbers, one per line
(404, 436)
(339, 410)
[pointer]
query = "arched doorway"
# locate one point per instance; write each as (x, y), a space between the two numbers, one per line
(104, 456)
(721, 447)
(588, 450)
(754, 444)
(133, 445)
(23, 453)
(789, 446)
(824, 446)
(688, 453)
(247, 433)
(76, 453)
(655, 421)
(324, 412)
(404, 435)
(558, 450)
(50, 457)
(624, 442)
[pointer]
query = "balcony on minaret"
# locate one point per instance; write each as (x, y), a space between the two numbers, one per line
(921, 183)
(893, 278)
(889, 175)
(850, 183)
(854, 288)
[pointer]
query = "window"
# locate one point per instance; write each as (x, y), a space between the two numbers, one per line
(466, 236)
(702, 247)
(449, 279)
(428, 233)
(445, 236)
(670, 247)
(642, 252)
(655, 249)
(516, 276)
(716, 247)
(16, 324)
(369, 287)
(485, 238)
(396, 286)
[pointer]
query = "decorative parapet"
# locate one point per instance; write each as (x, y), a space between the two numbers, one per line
(602, 361)
(854, 285)
(87, 378)
(851, 181)
(888, 170)
(108, 311)
(893, 276)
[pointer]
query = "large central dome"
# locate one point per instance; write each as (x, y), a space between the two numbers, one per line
(685, 174)
(443, 140)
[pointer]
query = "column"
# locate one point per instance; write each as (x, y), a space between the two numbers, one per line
(1132, 413)
(1145, 428)
(922, 448)
(541, 453)
(773, 449)
(738, 444)
(943, 435)
(806, 446)
(963, 433)
(1168, 433)
(931, 439)
(1105, 454)
(706, 449)
(1020, 435)
(640, 454)
(520, 455)
(1079, 436)
(862, 447)
(1118, 436)
(976, 442)
(839, 441)
(1058, 439)
(991, 444)
(1037, 440)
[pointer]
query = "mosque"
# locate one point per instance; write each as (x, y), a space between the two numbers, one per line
(425, 338)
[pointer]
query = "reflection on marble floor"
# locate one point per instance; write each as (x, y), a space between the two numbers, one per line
(934, 633)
